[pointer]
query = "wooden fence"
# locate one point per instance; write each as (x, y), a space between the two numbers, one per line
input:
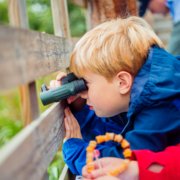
(24, 57)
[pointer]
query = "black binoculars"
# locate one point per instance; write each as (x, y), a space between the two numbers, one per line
(71, 86)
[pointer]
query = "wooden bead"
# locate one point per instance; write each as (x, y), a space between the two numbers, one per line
(100, 139)
(90, 166)
(118, 138)
(89, 155)
(111, 136)
(90, 148)
(125, 144)
(90, 170)
(127, 161)
(107, 137)
(124, 166)
(127, 153)
(89, 161)
(93, 143)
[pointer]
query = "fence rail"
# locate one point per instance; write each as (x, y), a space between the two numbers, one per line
(28, 55)
(30, 152)
(25, 56)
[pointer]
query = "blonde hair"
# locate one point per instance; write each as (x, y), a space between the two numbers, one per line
(120, 44)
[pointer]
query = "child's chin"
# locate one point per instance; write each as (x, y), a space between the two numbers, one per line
(100, 114)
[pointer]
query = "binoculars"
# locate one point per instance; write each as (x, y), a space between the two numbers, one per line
(71, 86)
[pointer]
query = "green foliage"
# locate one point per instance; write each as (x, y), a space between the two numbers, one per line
(10, 115)
(77, 20)
(40, 17)
(3, 12)
(56, 167)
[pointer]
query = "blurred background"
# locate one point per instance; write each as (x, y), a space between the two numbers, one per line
(40, 19)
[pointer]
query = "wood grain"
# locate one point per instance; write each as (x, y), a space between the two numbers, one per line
(28, 95)
(28, 55)
(60, 18)
(105, 10)
(80, 3)
(67, 174)
(29, 153)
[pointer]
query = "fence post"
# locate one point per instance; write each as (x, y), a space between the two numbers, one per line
(28, 95)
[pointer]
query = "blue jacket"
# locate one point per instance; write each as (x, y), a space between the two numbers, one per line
(153, 119)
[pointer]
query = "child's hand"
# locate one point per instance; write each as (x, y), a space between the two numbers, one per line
(71, 126)
(104, 178)
(108, 164)
(57, 83)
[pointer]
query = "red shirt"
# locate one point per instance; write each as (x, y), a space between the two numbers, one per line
(169, 158)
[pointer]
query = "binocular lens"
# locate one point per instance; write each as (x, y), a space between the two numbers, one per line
(80, 86)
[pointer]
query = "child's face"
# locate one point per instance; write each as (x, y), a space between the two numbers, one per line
(104, 97)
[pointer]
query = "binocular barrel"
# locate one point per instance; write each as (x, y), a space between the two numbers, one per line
(62, 92)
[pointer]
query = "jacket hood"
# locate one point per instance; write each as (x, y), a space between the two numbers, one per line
(158, 79)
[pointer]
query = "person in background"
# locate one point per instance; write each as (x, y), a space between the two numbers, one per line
(164, 7)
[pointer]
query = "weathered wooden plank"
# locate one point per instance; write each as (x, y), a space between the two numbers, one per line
(28, 95)
(28, 55)
(60, 18)
(17, 13)
(66, 174)
(29, 153)
(81, 3)
(88, 16)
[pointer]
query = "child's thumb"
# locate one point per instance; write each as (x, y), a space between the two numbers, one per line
(68, 130)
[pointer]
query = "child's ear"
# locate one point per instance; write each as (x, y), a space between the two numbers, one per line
(125, 81)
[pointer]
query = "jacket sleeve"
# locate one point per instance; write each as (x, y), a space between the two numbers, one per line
(74, 154)
(169, 158)
(74, 150)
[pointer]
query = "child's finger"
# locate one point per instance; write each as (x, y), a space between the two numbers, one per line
(98, 172)
(72, 98)
(52, 84)
(57, 83)
(85, 173)
(104, 178)
(68, 130)
(60, 76)
(76, 127)
(77, 131)
(94, 174)
(67, 114)
(73, 123)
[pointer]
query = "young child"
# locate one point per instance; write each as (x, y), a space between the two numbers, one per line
(148, 165)
(126, 70)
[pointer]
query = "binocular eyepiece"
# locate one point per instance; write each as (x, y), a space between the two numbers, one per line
(71, 86)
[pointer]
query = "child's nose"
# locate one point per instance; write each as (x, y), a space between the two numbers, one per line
(84, 95)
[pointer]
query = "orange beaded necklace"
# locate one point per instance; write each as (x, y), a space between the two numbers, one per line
(109, 137)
